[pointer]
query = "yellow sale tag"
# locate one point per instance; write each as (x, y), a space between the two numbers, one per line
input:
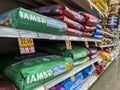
(72, 77)
(67, 66)
(86, 44)
(68, 44)
(26, 45)
(95, 43)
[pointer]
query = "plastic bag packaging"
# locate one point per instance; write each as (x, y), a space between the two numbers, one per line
(33, 72)
(90, 20)
(60, 9)
(70, 23)
(25, 19)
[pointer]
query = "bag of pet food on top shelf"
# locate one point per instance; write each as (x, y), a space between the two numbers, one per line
(34, 72)
(90, 20)
(5, 84)
(60, 9)
(70, 23)
(28, 20)
(88, 28)
(74, 32)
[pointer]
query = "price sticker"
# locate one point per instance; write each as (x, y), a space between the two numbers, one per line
(96, 44)
(67, 66)
(86, 44)
(72, 77)
(26, 45)
(68, 44)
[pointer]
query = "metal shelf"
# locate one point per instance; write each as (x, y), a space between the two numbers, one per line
(92, 79)
(108, 45)
(14, 33)
(67, 75)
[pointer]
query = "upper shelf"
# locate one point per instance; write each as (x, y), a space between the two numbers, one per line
(15, 33)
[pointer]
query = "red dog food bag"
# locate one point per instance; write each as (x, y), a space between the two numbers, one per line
(78, 33)
(90, 20)
(88, 28)
(70, 23)
(60, 9)
(74, 32)
(6, 84)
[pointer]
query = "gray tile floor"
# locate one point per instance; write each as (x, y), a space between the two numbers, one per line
(110, 79)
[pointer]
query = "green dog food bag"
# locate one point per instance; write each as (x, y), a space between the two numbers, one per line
(25, 19)
(36, 71)
(81, 61)
(60, 49)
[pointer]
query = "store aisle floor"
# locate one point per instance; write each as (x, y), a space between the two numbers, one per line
(110, 79)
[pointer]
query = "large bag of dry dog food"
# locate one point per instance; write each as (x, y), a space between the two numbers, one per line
(60, 9)
(28, 20)
(60, 49)
(90, 20)
(33, 72)
(70, 23)
(78, 33)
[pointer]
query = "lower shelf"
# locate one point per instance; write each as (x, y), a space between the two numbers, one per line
(92, 78)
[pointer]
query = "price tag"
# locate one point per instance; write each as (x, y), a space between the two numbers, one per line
(72, 77)
(26, 45)
(67, 66)
(68, 44)
(96, 44)
(86, 44)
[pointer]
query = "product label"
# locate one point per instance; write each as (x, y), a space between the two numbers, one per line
(67, 66)
(58, 69)
(75, 31)
(31, 17)
(72, 22)
(39, 76)
(68, 44)
(55, 23)
(79, 17)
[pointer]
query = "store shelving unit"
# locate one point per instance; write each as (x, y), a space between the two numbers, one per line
(88, 82)
(109, 45)
(68, 74)
(92, 78)
(7, 32)
(14, 33)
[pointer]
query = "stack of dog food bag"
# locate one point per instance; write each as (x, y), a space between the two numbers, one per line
(79, 54)
(27, 72)
(33, 70)
(76, 82)
(79, 23)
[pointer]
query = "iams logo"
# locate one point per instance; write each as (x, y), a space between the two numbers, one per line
(39, 76)
(31, 17)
